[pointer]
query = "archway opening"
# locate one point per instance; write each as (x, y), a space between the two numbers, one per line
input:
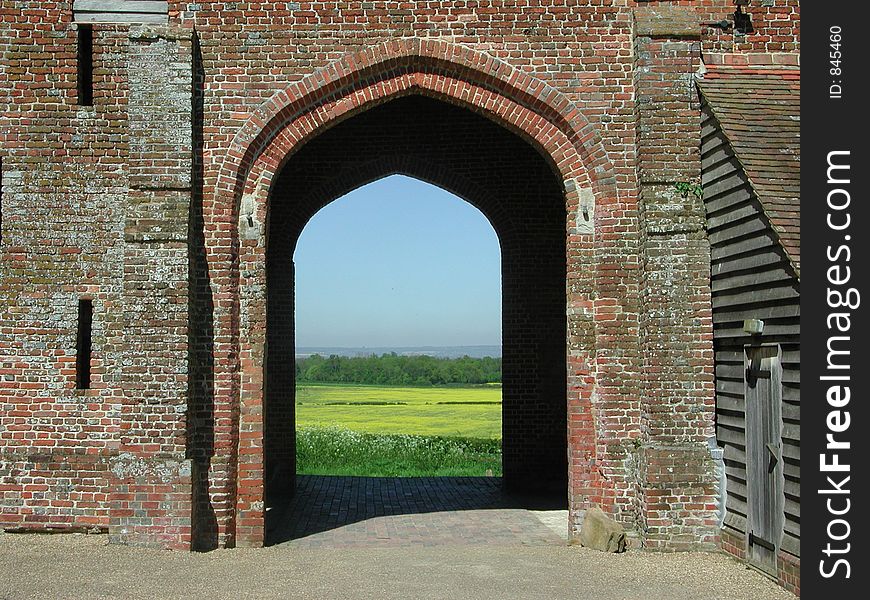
(512, 184)
(398, 336)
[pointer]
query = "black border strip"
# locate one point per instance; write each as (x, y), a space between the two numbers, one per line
(834, 245)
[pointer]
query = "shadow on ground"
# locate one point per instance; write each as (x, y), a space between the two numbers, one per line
(390, 511)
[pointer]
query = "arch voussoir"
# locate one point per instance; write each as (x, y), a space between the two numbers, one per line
(426, 58)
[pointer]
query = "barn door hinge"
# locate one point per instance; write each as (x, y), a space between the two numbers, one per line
(775, 457)
(754, 371)
(759, 541)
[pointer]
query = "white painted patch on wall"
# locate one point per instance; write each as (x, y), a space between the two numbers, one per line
(586, 211)
(248, 226)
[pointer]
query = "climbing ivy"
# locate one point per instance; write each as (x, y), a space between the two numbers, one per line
(685, 188)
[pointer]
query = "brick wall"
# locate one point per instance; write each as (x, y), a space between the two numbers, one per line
(64, 184)
(142, 203)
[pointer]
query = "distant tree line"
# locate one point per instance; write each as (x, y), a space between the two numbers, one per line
(392, 369)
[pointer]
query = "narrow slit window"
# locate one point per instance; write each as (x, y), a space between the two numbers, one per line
(83, 344)
(85, 61)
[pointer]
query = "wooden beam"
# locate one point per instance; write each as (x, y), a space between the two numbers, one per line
(135, 6)
(120, 11)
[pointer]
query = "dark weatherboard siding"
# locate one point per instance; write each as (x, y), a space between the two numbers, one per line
(752, 278)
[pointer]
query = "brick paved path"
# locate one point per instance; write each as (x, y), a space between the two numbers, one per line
(331, 511)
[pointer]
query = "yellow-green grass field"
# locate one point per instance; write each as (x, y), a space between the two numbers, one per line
(472, 412)
(382, 431)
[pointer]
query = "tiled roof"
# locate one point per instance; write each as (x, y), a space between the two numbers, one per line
(759, 111)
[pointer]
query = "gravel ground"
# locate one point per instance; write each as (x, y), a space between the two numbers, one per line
(79, 566)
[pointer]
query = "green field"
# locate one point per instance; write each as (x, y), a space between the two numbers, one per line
(472, 412)
(385, 431)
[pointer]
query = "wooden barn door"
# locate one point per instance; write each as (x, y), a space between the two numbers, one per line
(764, 468)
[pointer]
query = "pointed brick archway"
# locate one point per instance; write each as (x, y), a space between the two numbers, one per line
(516, 101)
(599, 433)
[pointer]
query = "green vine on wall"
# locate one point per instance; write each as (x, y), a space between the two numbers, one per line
(685, 188)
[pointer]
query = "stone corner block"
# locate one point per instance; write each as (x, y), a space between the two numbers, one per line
(600, 532)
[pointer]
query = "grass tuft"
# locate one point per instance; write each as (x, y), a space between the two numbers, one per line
(335, 450)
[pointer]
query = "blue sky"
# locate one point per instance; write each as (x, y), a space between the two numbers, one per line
(398, 262)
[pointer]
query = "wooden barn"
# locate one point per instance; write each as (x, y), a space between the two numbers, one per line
(751, 189)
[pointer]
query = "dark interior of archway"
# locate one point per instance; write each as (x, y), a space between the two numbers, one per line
(516, 188)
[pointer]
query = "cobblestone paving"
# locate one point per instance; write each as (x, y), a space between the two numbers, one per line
(332, 511)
